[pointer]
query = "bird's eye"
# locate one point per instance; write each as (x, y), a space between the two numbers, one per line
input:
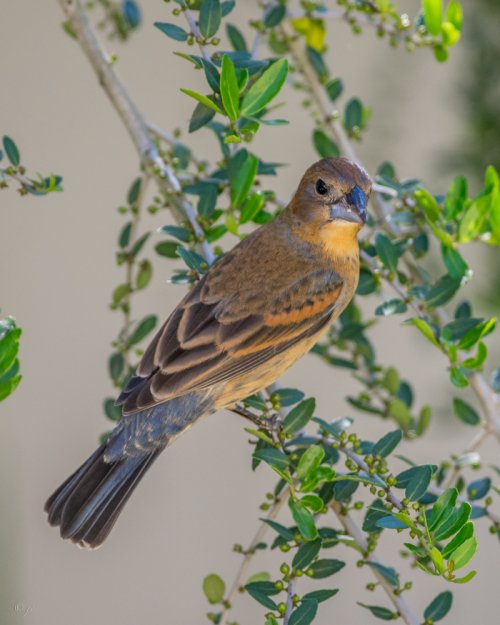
(321, 187)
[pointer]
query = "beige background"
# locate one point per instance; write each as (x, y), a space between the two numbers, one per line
(57, 272)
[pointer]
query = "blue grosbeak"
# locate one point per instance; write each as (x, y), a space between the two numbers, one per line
(253, 314)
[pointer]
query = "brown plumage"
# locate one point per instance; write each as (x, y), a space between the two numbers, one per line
(253, 314)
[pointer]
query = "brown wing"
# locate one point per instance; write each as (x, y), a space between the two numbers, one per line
(231, 322)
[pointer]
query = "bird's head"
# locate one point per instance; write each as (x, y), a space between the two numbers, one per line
(333, 191)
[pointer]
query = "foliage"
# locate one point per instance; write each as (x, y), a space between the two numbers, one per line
(9, 363)
(332, 479)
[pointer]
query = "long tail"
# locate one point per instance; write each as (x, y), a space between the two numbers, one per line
(87, 504)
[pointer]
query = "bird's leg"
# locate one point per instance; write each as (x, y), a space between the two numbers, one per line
(270, 424)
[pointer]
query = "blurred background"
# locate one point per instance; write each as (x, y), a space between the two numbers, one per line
(57, 273)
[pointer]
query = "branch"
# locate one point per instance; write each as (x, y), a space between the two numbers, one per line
(132, 119)
(195, 31)
(289, 601)
(242, 571)
(355, 532)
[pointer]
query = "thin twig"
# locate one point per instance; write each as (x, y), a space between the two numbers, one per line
(242, 571)
(132, 119)
(289, 600)
(355, 532)
(195, 31)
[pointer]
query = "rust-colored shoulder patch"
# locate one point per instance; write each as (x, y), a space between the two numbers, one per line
(296, 315)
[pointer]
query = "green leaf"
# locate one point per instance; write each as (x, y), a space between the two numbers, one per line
(144, 274)
(464, 554)
(200, 117)
(374, 513)
(167, 248)
(304, 520)
(11, 150)
(456, 265)
(9, 386)
(391, 523)
(479, 488)
(264, 89)
(353, 114)
(442, 508)
(134, 192)
(299, 416)
(142, 329)
(119, 293)
(283, 531)
(242, 182)
(306, 554)
(433, 16)
(477, 333)
(386, 251)
(334, 88)
(116, 365)
(194, 261)
(273, 457)
(210, 17)
(229, 89)
(257, 590)
(9, 347)
(252, 207)
(388, 573)
(111, 410)
(324, 146)
(391, 307)
(439, 607)
(378, 611)
(275, 15)
(320, 595)
(236, 38)
(310, 460)
(208, 200)
(465, 412)
(457, 519)
(424, 420)
(203, 99)
(387, 443)
(415, 481)
(214, 588)
(458, 328)
(466, 532)
(318, 63)
(172, 30)
(454, 14)
(305, 613)
(442, 291)
(425, 329)
(324, 568)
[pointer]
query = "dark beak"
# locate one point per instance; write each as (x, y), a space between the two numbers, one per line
(352, 207)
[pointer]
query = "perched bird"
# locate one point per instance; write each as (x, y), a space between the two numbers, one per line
(250, 317)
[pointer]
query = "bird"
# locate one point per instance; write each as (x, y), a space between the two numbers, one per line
(251, 316)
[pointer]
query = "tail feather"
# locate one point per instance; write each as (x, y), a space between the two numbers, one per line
(88, 503)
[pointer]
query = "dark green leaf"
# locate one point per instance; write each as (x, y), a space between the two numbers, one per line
(318, 63)
(324, 146)
(274, 15)
(299, 416)
(343, 490)
(193, 260)
(353, 114)
(111, 410)
(325, 568)
(214, 588)
(273, 457)
(458, 328)
(139, 244)
(208, 200)
(142, 329)
(116, 366)
(305, 613)
(439, 607)
(210, 17)
(367, 283)
(200, 117)
(415, 481)
(477, 333)
(386, 251)
(334, 88)
(227, 6)
(134, 191)
(391, 307)
(304, 520)
(289, 396)
(264, 89)
(124, 238)
(456, 265)
(283, 531)
(306, 554)
(172, 30)
(261, 591)
(387, 572)
(378, 611)
(11, 150)
(374, 513)
(479, 488)
(442, 291)
(387, 443)
(391, 523)
(242, 181)
(236, 38)
(465, 412)
(320, 595)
